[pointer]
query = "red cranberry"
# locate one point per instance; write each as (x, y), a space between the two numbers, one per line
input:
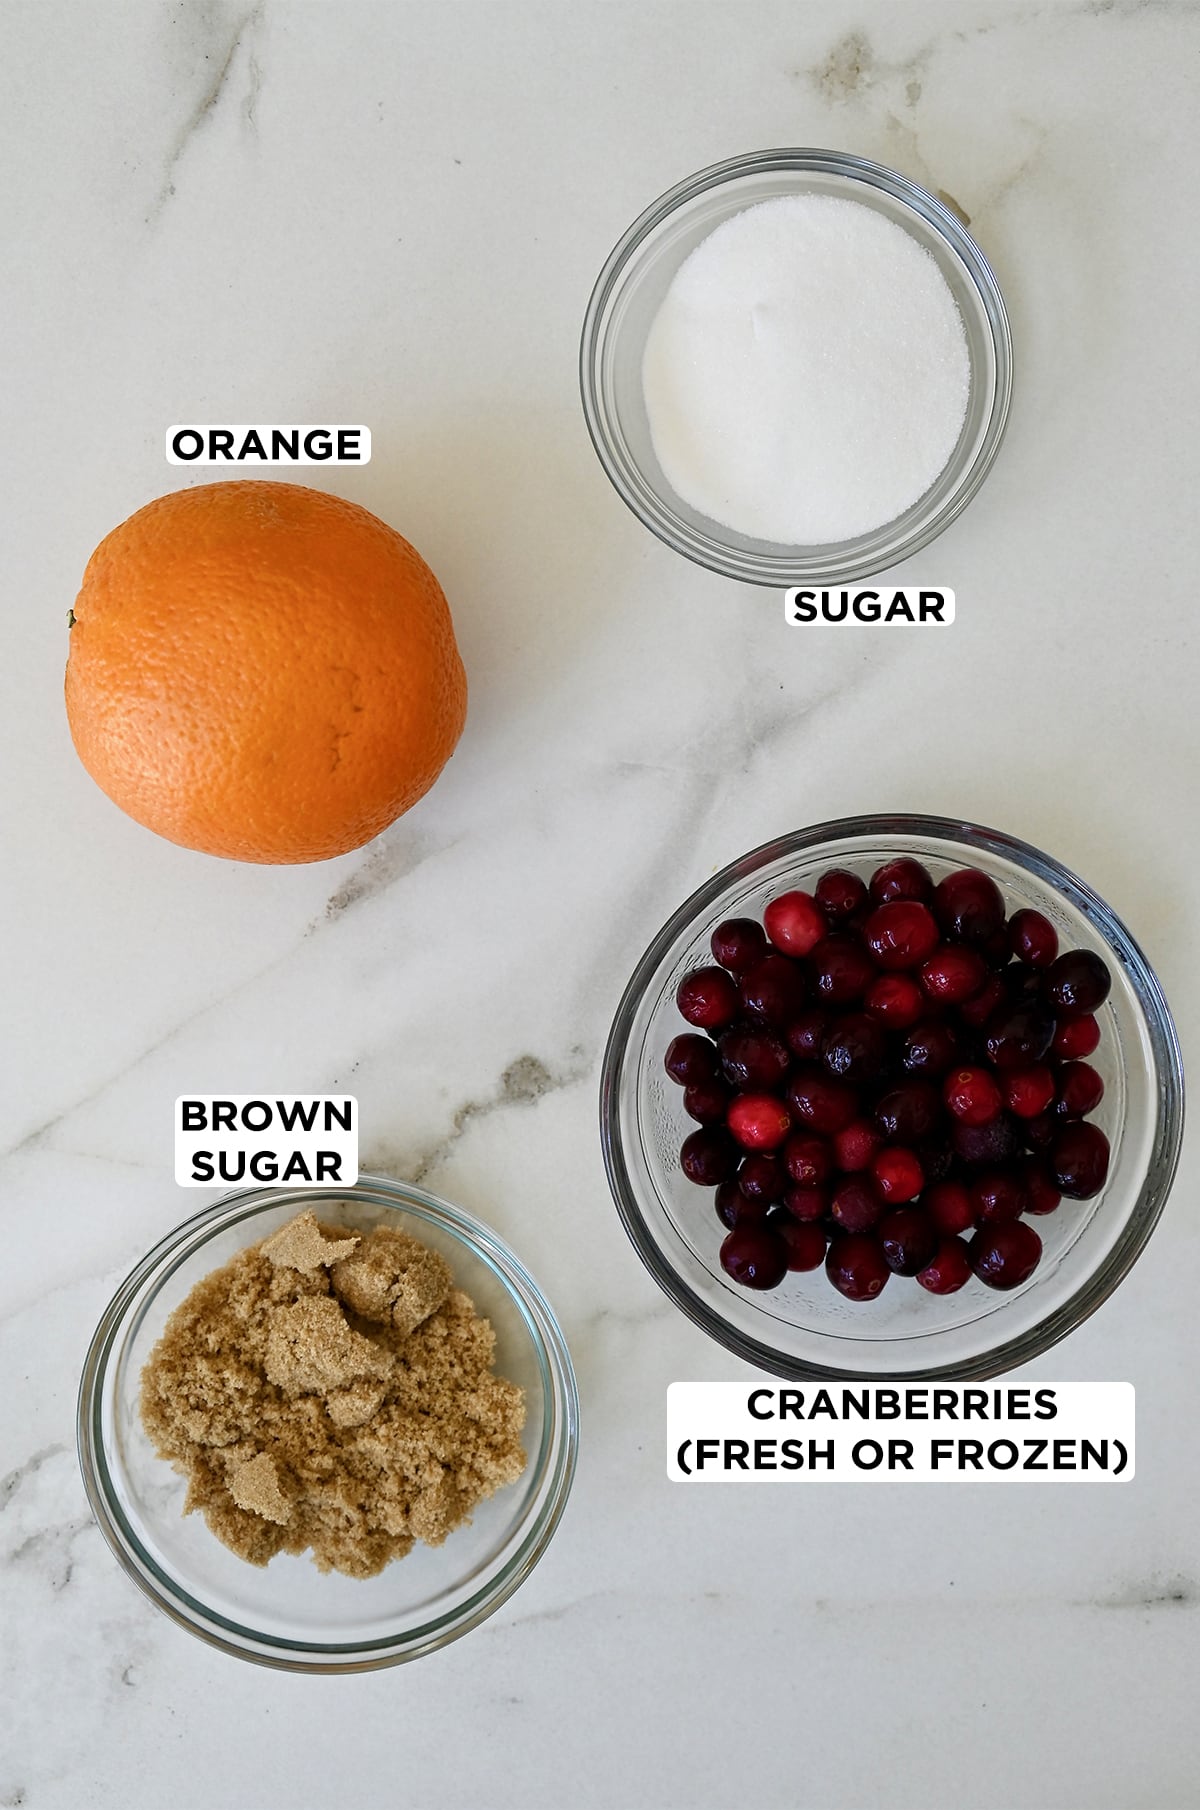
(994, 1144)
(949, 1207)
(972, 1096)
(773, 990)
(1039, 1132)
(1079, 1160)
(707, 997)
(820, 1102)
(902, 934)
(762, 1177)
(1006, 1255)
(902, 878)
(895, 1000)
(856, 1204)
(1075, 1037)
(840, 894)
(709, 1156)
(976, 1011)
(755, 1256)
(754, 1057)
(1032, 938)
(857, 1267)
(968, 906)
(853, 1049)
(738, 944)
(804, 1243)
(841, 970)
(1041, 1196)
(909, 1112)
(690, 1058)
(735, 1208)
(759, 1121)
(707, 1101)
(795, 923)
(953, 973)
(909, 1239)
(898, 1175)
(930, 1048)
(1019, 1036)
(806, 1034)
(1077, 982)
(854, 1147)
(1028, 1091)
(937, 1158)
(807, 1159)
(807, 1203)
(1080, 1090)
(996, 1196)
(948, 1269)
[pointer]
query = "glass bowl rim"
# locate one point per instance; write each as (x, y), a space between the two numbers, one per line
(1005, 1354)
(555, 1461)
(784, 569)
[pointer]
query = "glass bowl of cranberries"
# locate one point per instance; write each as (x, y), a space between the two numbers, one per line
(891, 1096)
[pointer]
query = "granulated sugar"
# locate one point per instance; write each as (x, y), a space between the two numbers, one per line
(807, 375)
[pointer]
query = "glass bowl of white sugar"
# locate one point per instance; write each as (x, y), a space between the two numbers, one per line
(796, 367)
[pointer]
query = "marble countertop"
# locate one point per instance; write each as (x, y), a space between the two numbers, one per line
(394, 214)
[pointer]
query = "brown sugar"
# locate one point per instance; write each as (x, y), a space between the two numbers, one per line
(332, 1392)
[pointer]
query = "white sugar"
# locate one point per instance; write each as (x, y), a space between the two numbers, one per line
(806, 377)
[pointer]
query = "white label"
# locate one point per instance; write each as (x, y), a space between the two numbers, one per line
(900, 1433)
(216, 444)
(260, 1140)
(885, 608)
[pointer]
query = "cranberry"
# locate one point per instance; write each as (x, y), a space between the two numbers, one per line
(773, 990)
(762, 1177)
(804, 1243)
(806, 1034)
(841, 970)
(902, 878)
(1006, 1255)
(807, 1203)
(759, 1121)
(707, 1101)
(735, 1208)
(948, 1269)
(820, 1102)
(902, 934)
(952, 974)
(808, 1159)
(968, 906)
(898, 1175)
(937, 1158)
(854, 1146)
(993, 1144)
(996, 1196)
(976, 1011)
(755, 1256)
(1020, 982)
(909, 1112)
(930, 1048)
(856, 1205)
(1080, 1090)
(895, 1000)
(690, 1058)
(857, 1267)
(1032, 938)
(909, 1239)
(1039, 1132)
(709, 1156)
(1075, 1037)
(707, 997)
(949, 1207)
(738, 944)
(795, 923)
(1028, 1091)
(1041, 1196)
(1079, 1160)
(840, 894)
(1019, 1036)
(853, 1049)
(972, 1096)
(753, 1057)
(1077, 982)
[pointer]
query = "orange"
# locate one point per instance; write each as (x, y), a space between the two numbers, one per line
(262, 671)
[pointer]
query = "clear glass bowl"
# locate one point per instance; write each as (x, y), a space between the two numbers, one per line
(805, 1328)
(627, 297)
(288, 1614)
